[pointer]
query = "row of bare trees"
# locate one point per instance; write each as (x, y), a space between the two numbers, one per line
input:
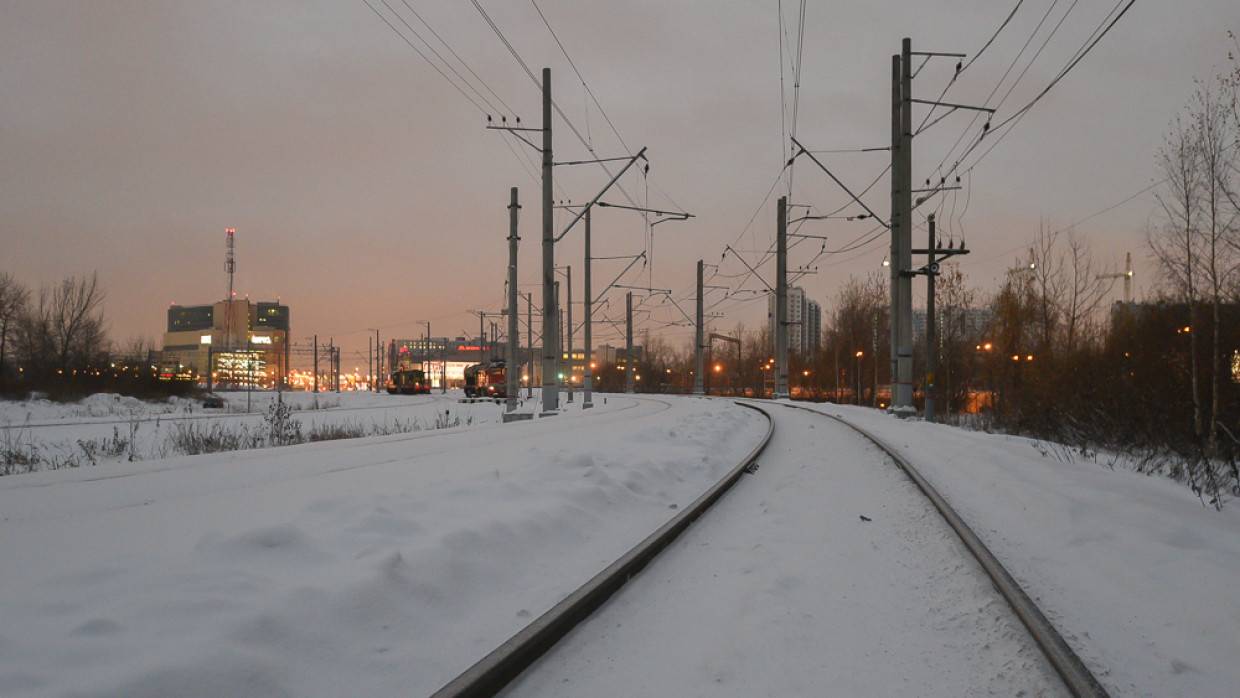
(53, 331)
(1197, 244)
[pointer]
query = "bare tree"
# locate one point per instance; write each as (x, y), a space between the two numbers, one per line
(955, 331)
(13, 299)
(1214, 136)
(1049, 288)
(1175, 243)
(63, 328)
(1084, 290)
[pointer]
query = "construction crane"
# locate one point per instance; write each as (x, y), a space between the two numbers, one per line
(1126, 275)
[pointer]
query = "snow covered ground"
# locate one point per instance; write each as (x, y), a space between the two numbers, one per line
(1138, 576)
(61, 432)
(375, 566)
(782, 589)
(387, 565)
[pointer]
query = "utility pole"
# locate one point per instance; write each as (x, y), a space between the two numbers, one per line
(894, 220)
(932, 346)
(559, 328)
(781, 299)
(699, 376)
(512, 387)
(316, 364)
(426, 353)
(931, 270)
(551, 348)
(529, 345)
(569, 315)
(902, 210)
(370, 359)
(587, 372)
(628, 342)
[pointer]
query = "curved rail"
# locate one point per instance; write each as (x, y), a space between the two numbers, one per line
(493, 672)
(1076, 676)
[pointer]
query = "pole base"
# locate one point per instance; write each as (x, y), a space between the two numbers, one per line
(587, 405)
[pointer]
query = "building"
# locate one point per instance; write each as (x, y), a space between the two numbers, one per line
(449, 357)
(236, 343)
(804, 321)
(812, 337)
(966, 323)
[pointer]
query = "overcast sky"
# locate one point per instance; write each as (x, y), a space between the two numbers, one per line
(366, 192)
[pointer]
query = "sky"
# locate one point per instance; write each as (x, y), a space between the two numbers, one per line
(367, 193)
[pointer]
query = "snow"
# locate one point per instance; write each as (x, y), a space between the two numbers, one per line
(1137, 575)
(55, 429)
(783, 590)
(374, 566)
(387, 565)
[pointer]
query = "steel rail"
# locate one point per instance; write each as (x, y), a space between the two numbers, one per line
(1076, 676)
(492, 673)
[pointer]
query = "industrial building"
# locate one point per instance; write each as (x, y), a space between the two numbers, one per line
(446, 357)
(237, 343)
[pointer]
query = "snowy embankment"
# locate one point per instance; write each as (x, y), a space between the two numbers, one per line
(377, 566)
(107, 428)
(1138, 576)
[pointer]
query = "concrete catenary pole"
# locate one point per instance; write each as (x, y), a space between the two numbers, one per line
(370, 360)
(699, 338)
(510, 372)
(529, 345)
(781, 299)
(316, 363)
(894, 255)
(903, 398)
(587, 378)
(932, 345)
(559, 326)
(551, 348)
(568, 375)
(629, 363)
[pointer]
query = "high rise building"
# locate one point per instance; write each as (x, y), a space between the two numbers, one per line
(804, 321)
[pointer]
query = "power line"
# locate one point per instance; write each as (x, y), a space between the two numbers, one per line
(962, 68)
(458, 57)
(555, 105)
(438, 55)
(418, 51)
(1080, 54)
(964, 132)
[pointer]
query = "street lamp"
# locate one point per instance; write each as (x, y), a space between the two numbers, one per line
(860, 354)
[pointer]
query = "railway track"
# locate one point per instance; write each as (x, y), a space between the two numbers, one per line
(1076, 676)
(494, 672)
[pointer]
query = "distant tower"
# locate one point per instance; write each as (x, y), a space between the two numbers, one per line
(230, 260)
(230, 266)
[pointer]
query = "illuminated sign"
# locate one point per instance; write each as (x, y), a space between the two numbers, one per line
(205, 339)
(260, 340)
(468, 347)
